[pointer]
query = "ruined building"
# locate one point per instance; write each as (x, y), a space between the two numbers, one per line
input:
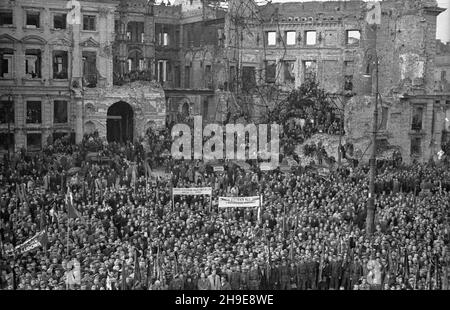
(338, 43)
(119, 67)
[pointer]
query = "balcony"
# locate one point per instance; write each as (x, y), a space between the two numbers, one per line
(144, 75)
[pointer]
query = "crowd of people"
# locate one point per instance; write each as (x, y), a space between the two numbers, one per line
(132, 233)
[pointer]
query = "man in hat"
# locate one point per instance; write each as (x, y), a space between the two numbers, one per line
(254, 277)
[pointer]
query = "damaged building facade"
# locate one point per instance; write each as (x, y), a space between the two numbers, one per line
(338, 43)
(57, 76)
(126, 66)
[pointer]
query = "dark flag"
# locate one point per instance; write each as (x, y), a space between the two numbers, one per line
(71, 211)
(406, 266)
(137, 270)
(124, 276)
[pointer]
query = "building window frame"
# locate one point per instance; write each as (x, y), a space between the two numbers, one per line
(271, 38)
(3, 17)
(64, 20)
(308, 38)
(348, 37)
(88, 24)
(291, 41)
(65, 118)
(28, 14)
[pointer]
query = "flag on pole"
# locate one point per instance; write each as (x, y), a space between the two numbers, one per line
(124, 276)
(406, 265)
(71, 211)
(137, 269)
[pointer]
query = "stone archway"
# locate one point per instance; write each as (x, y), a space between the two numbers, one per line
(120, 122)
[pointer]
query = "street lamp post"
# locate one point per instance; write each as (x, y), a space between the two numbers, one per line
(370, 219)
(7, 112)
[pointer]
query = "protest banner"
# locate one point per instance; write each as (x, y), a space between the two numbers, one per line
(192, 191)
(239, 202)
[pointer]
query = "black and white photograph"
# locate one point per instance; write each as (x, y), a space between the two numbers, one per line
(239, 148)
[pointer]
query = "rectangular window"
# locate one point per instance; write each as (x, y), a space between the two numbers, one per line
(416, 146)
(232, 78)
(417, 119)
(165, 39)
(271, 71)
(60, 115)
(187, 77)
(208, 77)
(248, 78)
(34, 112)
(141, 65)
(177, 73)
(6, 140)
(310, 70)
(142, 37)
(116, 26)
(33, 63)
(353, 37)
(289, 74)
(59, 21)
(310, 37)
(32, 19)
(130, 64)
(34, 141)
(6, 112)
(447, 119)
(443, 76)
(6, 18)
(89, 22)
(89, 69)
(129, 35)
(290, 37)
(6, 62)
(271, 38)
(60, 65)
(162, 71)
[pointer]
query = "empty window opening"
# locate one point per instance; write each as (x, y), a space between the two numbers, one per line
(310, 70)
(60, 65)
(271, 71)
(416, 146)
(34, 112)
(34, 141)
(248, 78)
(271, 38)
(32, 19)
(6, 112)
(417, 118)
(90, 69)
(60, 112)
(353, 37)
(290, 38)
(6, 18)
(310, 37)
(6, 62)
(289, 74)
(33, 63)
(59, 21)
